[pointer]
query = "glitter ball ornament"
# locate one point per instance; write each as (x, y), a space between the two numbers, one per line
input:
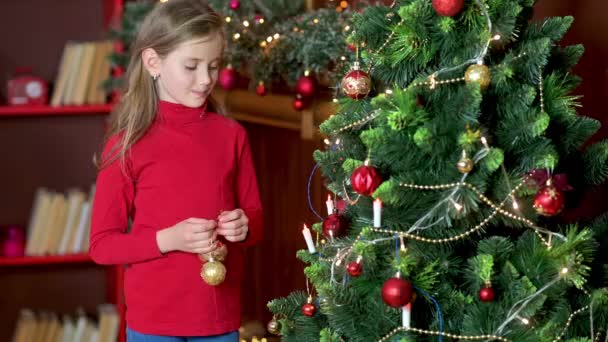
(213, 272)
(274, 327)
(356, 84)
(365, 180)
(335, 225)
(235, 4)
(448, 8)
(478, 73)
(549, 200)
(465, 164)
(227, 78)
(397, 292)
(261, 89)
(306, 86)
(354, 268)
(486, 294)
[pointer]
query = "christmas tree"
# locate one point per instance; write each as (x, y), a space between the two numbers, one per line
(450, 162)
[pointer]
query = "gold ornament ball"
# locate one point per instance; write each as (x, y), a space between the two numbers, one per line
(479, 74)
(465, 165)
(213, 273)
(274, 327)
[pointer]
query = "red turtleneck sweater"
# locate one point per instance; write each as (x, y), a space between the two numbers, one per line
(190, 163)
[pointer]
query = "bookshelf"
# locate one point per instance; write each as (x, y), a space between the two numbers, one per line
(50, 146)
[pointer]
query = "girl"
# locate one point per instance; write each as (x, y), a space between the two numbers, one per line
(183, 176)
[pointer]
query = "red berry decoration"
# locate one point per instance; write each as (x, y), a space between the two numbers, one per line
(365, 180)
(448, 8)
(227, 78)
(397, 292)
(356, 84)
(335, 225)
(261, 89)
(549, 200)
(354, 268)
(235, 4)
(306, 86)
(309, 309)
(486, 294)
(298, 103)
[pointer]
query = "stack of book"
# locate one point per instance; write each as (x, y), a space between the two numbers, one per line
(82, 69)
(48, 327)
(59, 223)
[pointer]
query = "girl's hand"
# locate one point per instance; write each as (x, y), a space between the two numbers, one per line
(233, 225)
(194, 235)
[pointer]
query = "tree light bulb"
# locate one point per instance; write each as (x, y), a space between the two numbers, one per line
(497, 37)
(246, 23)
(565, 270)
(228, 19)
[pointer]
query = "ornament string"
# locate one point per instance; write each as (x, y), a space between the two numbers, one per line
(308, 192)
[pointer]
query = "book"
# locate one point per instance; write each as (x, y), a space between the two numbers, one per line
(41, 203)
(84, 73)
(76, 199)
(63, 74)
(81, 232)
(25, 329)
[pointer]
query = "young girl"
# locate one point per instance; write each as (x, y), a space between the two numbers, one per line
(183, 176)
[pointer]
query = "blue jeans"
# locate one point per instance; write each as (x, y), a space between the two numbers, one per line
(134, 336)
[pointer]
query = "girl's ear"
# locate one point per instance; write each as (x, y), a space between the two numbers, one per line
(151, 61)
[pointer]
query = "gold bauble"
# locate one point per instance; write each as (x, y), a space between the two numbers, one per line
(218, 254)
(274, 327)
(479, 74)
(465, 165)
(213, 272)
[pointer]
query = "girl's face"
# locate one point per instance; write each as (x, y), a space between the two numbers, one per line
(190, 71)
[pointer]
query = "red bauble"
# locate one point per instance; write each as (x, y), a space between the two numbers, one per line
(365, 180)
(397, 292)
(352, 47)
(448, 8)
(309, 309)
(335, 225)
(486, 294)
(354, 269)
(356, 84)
(235, 4)
(306, 86)
(261, 89)
(549, 201)
(227, 78)
(298, 103)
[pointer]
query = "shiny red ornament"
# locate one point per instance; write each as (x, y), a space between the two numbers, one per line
(235, 4)
(365, 180)
(306, 86)
(298, 103)
(227, 78)
(352, 47)
(354, 269)
(448, 8)
(397, 292)
(335, 225)
(486, 294)
(549, 200)
(309, 309)
(261, 89)
(356, 84)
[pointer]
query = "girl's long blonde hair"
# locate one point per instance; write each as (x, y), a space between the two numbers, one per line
(168, 25)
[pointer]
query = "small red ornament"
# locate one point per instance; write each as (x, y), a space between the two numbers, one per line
(356, 84)
(486, 294)
(354, 268)
(306, 86)
(298, 103)
(365, 180)
(261, 89)
(235, 4)
(448, 8)
(308, 309)
(397, 292)
(227, 78)
(352, 47)
(549, 200)
(335, 225)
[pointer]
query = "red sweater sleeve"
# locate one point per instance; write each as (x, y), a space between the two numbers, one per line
(110, 243)
(247, 192)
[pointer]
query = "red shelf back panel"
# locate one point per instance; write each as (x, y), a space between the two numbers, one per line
(45, 260)
(50, 111)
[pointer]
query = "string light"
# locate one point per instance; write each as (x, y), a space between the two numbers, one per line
(524, 320)
(388, 91)
(246, 23)
(276, 36)
(269, 39)
(564, 271)
(315, 20)
(228, 19)
(237, 36)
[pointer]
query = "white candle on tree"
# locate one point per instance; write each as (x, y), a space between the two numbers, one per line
(308, 238)
(330, 205)
(407, 315)
(377, 213)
